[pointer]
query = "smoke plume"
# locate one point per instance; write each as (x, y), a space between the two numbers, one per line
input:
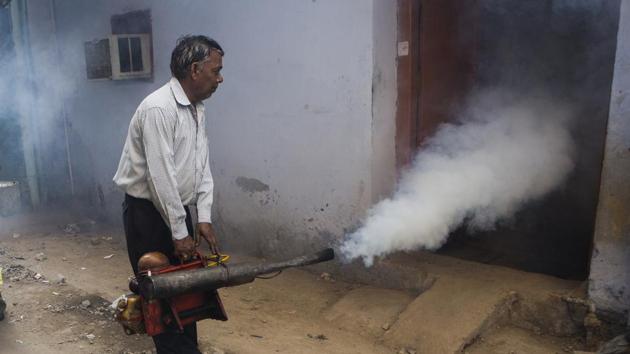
(501, 153)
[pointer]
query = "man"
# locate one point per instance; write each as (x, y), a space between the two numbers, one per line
(164, 168)
(3, 304)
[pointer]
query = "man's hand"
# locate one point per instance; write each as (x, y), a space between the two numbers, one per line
(205, 231)
(184, 248)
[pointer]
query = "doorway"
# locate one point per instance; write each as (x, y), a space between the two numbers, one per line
(563, 47)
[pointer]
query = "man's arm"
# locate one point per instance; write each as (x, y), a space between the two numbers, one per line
(206, 190)
(204, 204)
(158, 132)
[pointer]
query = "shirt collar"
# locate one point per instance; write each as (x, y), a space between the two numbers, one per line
(180, 96)
(178, 92)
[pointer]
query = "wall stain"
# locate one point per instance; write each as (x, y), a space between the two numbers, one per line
(618, 211)
(251, 185)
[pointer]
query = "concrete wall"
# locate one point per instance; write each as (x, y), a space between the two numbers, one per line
(308, 99)
(384, 96)
(609, 285)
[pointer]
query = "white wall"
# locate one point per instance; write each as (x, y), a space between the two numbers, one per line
(291, 128)
(384, 96)
(609, 281)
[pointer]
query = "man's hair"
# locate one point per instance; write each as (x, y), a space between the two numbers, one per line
(190, 49)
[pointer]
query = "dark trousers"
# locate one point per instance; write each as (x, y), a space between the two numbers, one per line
(146, 231)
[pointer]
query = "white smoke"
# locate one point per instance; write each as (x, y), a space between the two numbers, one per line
(503, 152)
(34, 122)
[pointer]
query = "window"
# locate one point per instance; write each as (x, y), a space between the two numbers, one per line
(130, 56)
(126, 54)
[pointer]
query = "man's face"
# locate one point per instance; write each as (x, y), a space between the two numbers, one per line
(206, 75)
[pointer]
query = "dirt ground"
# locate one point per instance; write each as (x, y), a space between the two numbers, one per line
(60, 275)
(58, 285)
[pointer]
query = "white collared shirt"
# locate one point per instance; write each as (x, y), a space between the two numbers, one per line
(165, 158)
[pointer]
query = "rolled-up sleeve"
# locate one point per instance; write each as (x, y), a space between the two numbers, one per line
(158, 132)
(206, 189)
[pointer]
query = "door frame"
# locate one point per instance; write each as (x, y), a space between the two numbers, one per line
(408, 79)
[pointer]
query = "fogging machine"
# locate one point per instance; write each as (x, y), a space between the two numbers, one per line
(177, 295)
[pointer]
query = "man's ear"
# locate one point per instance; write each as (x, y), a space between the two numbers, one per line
(194, 70)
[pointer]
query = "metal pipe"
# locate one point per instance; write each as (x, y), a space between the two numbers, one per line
(19, 30)
(64, 115)
(176, 283)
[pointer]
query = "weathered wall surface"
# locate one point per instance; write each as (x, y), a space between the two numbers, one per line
(384, 91)
(290, 129)
(609, 284)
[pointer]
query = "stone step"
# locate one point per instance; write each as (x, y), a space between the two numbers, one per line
(368, 310)
(449, 316)
(454, 301)
(510, 339)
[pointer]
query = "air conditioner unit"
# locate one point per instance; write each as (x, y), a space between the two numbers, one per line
(130, 56)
